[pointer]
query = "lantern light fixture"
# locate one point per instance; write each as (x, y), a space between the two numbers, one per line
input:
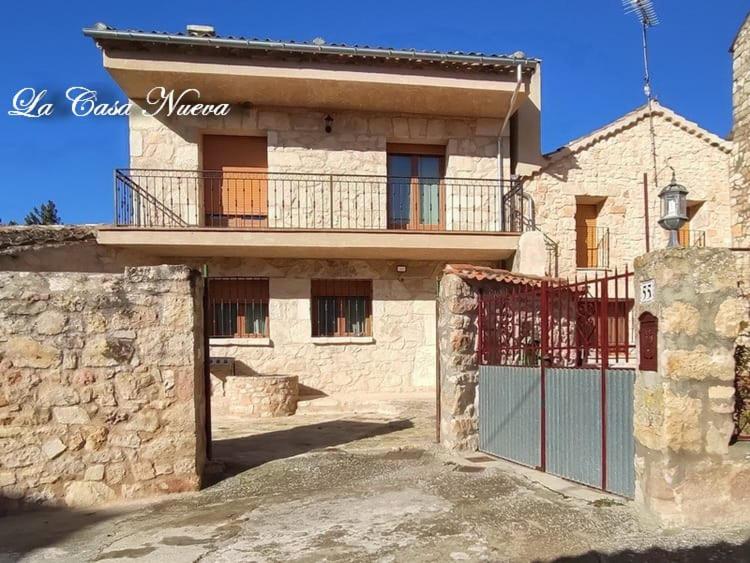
(329, 123)
(673, 209)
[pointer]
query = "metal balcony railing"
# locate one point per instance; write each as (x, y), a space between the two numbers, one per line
(592, 247)
(689, 238)
(296, 201)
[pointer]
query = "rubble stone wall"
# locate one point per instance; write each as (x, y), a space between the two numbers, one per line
(251, 396)
(741, 138)
(686, 470)
(101, 385)
(459, 370)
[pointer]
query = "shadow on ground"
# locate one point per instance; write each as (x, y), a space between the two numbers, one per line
(722, 551)
(245, 452)
(27, 526)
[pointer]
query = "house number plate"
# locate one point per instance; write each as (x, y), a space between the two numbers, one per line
(648, 291)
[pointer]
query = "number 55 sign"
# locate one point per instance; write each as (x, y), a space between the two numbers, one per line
(648, 291)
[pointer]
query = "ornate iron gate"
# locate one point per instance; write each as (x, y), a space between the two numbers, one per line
(555, 386)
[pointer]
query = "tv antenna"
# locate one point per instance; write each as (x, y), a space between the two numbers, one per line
(646, 13)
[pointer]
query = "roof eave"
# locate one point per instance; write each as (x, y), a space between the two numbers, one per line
(305, 48)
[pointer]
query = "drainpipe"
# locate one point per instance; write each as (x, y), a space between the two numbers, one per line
(508, 114)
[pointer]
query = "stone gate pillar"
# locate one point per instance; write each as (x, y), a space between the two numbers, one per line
(686, 472)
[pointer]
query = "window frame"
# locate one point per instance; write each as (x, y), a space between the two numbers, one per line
(340, 290)
(239, 291)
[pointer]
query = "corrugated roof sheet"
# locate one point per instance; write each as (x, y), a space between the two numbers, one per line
(103, 32)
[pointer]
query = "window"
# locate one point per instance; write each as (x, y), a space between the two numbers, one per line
(415, 199)
(341, 307)
(592, 242)
(239, 307)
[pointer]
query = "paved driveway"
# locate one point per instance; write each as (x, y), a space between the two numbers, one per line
(360, 488)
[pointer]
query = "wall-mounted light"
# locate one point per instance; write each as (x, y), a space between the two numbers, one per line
(673, 209)
(329, 123)
(401, 269)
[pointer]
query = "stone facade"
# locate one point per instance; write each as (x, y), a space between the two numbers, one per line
(459, 367)
(298, 143)
(398, 358)
(741, 138)
(607, 167)
(254, 396)
(686, 471)
(101, 385)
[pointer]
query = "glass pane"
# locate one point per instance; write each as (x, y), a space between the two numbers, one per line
(225, 319)
(256, 314)
(325, 311)
(355, 315)
(429, 190)
(399, 190)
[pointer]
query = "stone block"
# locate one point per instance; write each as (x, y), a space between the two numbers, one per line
(88, 493)
(70, 415)
(25, 352)
(53, 448)
(94, 473)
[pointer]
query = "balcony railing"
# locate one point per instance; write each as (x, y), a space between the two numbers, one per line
(592, 247)
(289, 201)
(689, 238)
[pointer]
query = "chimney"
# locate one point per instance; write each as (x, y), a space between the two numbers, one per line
(195, 30)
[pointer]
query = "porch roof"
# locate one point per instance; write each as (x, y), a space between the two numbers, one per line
(481, 273)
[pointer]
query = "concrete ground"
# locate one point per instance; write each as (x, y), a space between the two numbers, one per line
(361, 488)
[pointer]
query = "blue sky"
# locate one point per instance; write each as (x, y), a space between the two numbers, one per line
(592, 70)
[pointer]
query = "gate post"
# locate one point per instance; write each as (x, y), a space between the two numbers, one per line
(543, 361)
(685, 470)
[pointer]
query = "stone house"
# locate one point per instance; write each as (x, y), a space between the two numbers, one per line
(589, 194)
(326, 203)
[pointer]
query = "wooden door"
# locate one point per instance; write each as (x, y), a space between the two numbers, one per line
(586, 243)
(416, 193)
(683, 234)
(236, 181)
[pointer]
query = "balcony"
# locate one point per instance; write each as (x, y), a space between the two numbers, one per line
(592, 247)
(315, 215)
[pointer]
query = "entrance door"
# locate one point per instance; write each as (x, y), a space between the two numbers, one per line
(235, 184)
(586, 242)
(416, 199)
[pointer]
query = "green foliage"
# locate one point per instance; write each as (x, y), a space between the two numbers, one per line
(45, 214)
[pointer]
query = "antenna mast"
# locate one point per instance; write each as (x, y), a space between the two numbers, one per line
(646, 13)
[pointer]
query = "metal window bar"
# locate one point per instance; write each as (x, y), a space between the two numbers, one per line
(238, 307)
(341, 307)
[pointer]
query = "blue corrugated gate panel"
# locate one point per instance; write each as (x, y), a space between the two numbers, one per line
(574, 426)
(620, 442)
(509, 413)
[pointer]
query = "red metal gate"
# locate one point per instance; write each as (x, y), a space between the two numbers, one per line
(566, 329)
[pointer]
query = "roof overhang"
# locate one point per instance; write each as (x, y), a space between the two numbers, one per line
(267, 73)
(320, 87)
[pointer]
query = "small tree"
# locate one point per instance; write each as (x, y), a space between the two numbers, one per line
(45, 214)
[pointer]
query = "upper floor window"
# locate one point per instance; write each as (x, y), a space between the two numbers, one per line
(592, 241)
(238, 307)
(416, 197)
(341, 307)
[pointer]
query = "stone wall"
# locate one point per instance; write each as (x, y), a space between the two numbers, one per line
(254, 396)
(101, 385)
(609, 170)
(741, 138)
(686, 471)
(298, 143)
(459, 368)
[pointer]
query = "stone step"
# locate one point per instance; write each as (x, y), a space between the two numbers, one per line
(391, 404)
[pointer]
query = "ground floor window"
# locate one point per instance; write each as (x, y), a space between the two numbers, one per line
(239, 307)
(341, 307)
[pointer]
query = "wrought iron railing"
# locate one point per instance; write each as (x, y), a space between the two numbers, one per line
(275, 200)
(689, 238)
(592, 247)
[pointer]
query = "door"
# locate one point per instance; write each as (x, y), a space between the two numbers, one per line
(415, 187)
(683, 234)
(235, 183)
(586, 243)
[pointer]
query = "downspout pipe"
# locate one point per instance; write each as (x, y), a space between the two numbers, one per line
(506, 120)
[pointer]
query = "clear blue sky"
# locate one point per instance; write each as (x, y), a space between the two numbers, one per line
(590, 50)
